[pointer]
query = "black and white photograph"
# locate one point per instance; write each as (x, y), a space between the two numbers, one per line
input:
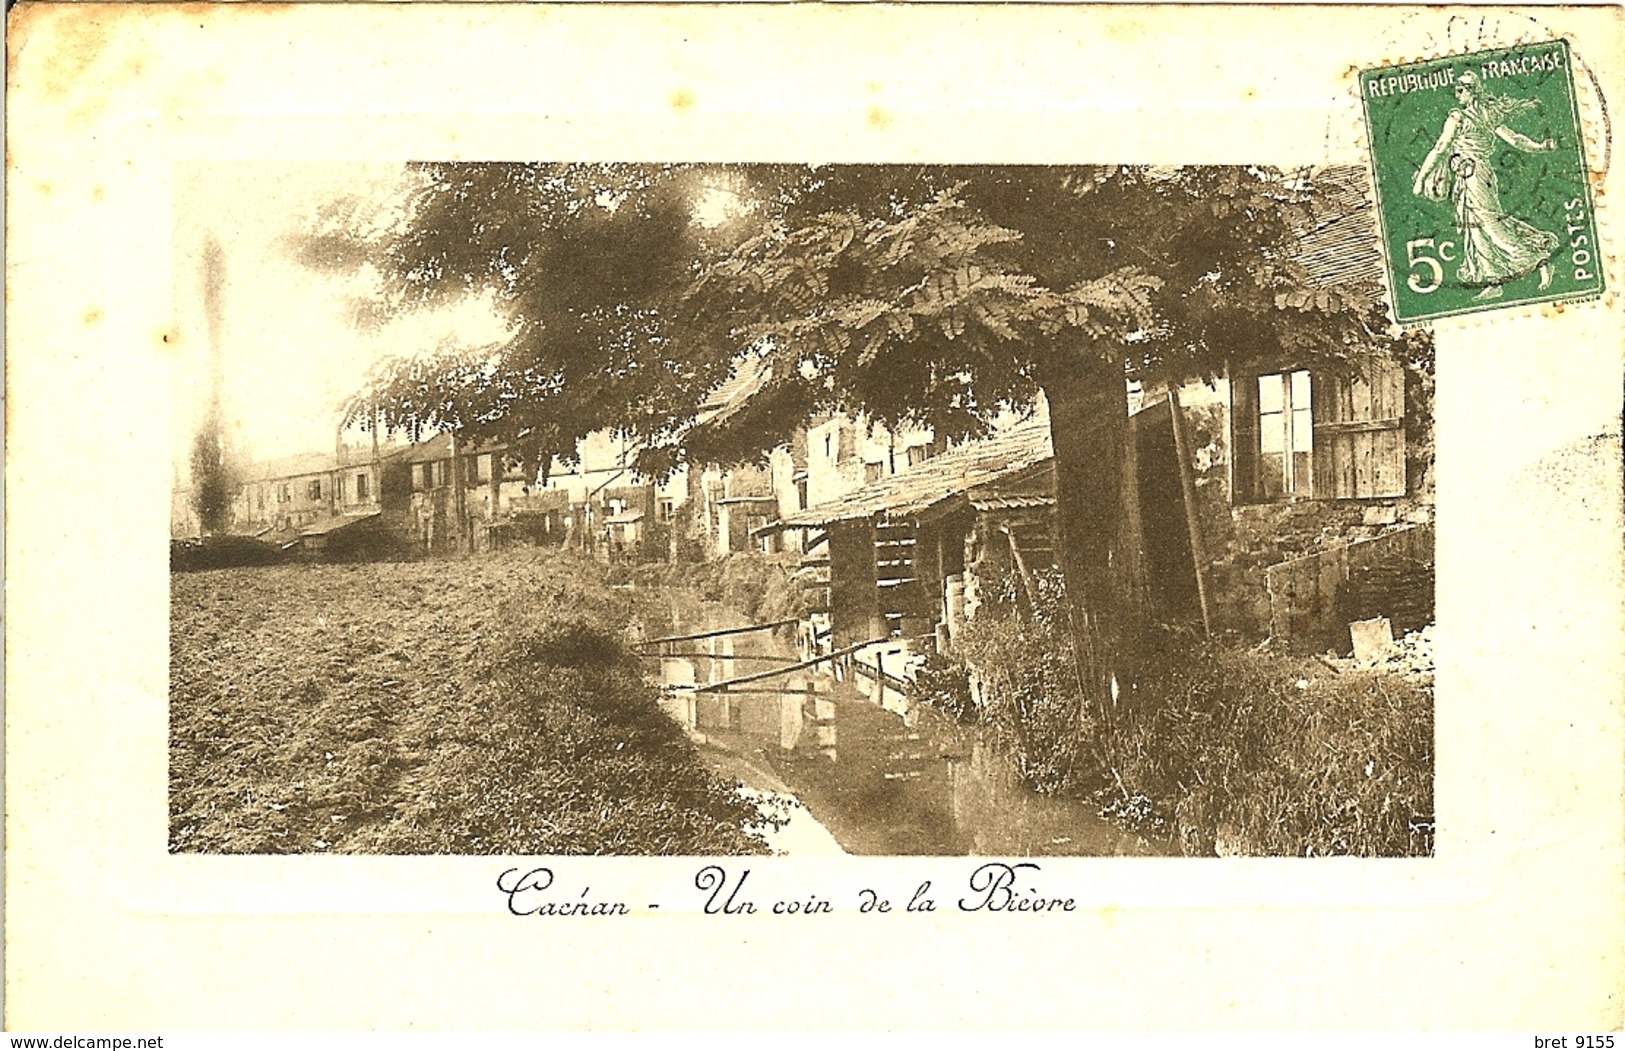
(629, 508)
(801, 517)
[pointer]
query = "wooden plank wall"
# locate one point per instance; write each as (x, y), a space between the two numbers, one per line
(894, 573)
(852, 581)
(1360, 434)
(1306, 594)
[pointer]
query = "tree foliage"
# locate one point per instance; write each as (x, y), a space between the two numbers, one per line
(931, 295)
(578, 259)
(213, 476)
(942, 296)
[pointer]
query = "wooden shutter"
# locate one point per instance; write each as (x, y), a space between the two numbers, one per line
(1243, 438)
(1360, 433)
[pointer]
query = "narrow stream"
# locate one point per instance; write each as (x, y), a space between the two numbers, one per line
(876, 781)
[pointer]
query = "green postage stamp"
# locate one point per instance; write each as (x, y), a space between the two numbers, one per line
(1481, 180)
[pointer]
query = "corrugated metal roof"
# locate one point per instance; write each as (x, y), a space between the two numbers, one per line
(959, 469)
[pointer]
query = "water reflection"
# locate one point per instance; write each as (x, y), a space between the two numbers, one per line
(879, 781)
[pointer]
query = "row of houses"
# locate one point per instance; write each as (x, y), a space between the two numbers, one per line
(1237, 482)
(438, 497)
(1281, 501)
(1252, 494)
(1264, 500)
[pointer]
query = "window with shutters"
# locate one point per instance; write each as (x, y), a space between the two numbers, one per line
(1298, 434)
(919, 453)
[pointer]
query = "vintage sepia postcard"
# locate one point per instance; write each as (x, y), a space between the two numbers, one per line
(654, 490)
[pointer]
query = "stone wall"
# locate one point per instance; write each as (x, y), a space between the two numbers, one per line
(1241, 541)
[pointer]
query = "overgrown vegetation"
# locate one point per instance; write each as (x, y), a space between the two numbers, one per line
(1026, 685)
(472, 706)
(1225, 750)
(220, 552)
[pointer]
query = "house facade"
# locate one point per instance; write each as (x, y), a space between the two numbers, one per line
(601, 505)
(1277, 504)
(282, 496)
(1279, 501)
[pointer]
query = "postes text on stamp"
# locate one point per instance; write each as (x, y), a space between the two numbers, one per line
(1481, 181)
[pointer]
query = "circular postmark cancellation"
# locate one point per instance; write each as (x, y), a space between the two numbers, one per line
(1483, 192)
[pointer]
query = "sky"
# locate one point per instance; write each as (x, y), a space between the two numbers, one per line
(289, 354)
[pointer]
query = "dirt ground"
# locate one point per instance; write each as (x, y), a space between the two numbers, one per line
(474, 706)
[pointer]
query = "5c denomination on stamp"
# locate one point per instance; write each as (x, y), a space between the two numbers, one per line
(1482, 184)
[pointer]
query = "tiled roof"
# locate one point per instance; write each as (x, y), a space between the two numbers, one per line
(438, 447)
(1343, 245)
(997, 501)
(750, 373)
(961, 468)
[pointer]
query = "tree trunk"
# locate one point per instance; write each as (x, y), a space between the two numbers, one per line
(1097, 551)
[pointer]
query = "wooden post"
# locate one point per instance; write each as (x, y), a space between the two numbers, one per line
(498, 469)
(335, 503)
(1028, 586)
(377, 480)
(1133, 540)
(456, 509)
(1187, 488)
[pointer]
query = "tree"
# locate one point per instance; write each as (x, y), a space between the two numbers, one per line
(577, 258)
(929, 295)
(214, 476)
(942, 296)
(213, 480)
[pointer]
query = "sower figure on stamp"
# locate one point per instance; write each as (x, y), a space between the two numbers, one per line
(1495, 247)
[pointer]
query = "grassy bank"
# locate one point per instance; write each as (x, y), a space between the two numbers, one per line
(479, 706)
(1226, 750)
(1251, 753)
